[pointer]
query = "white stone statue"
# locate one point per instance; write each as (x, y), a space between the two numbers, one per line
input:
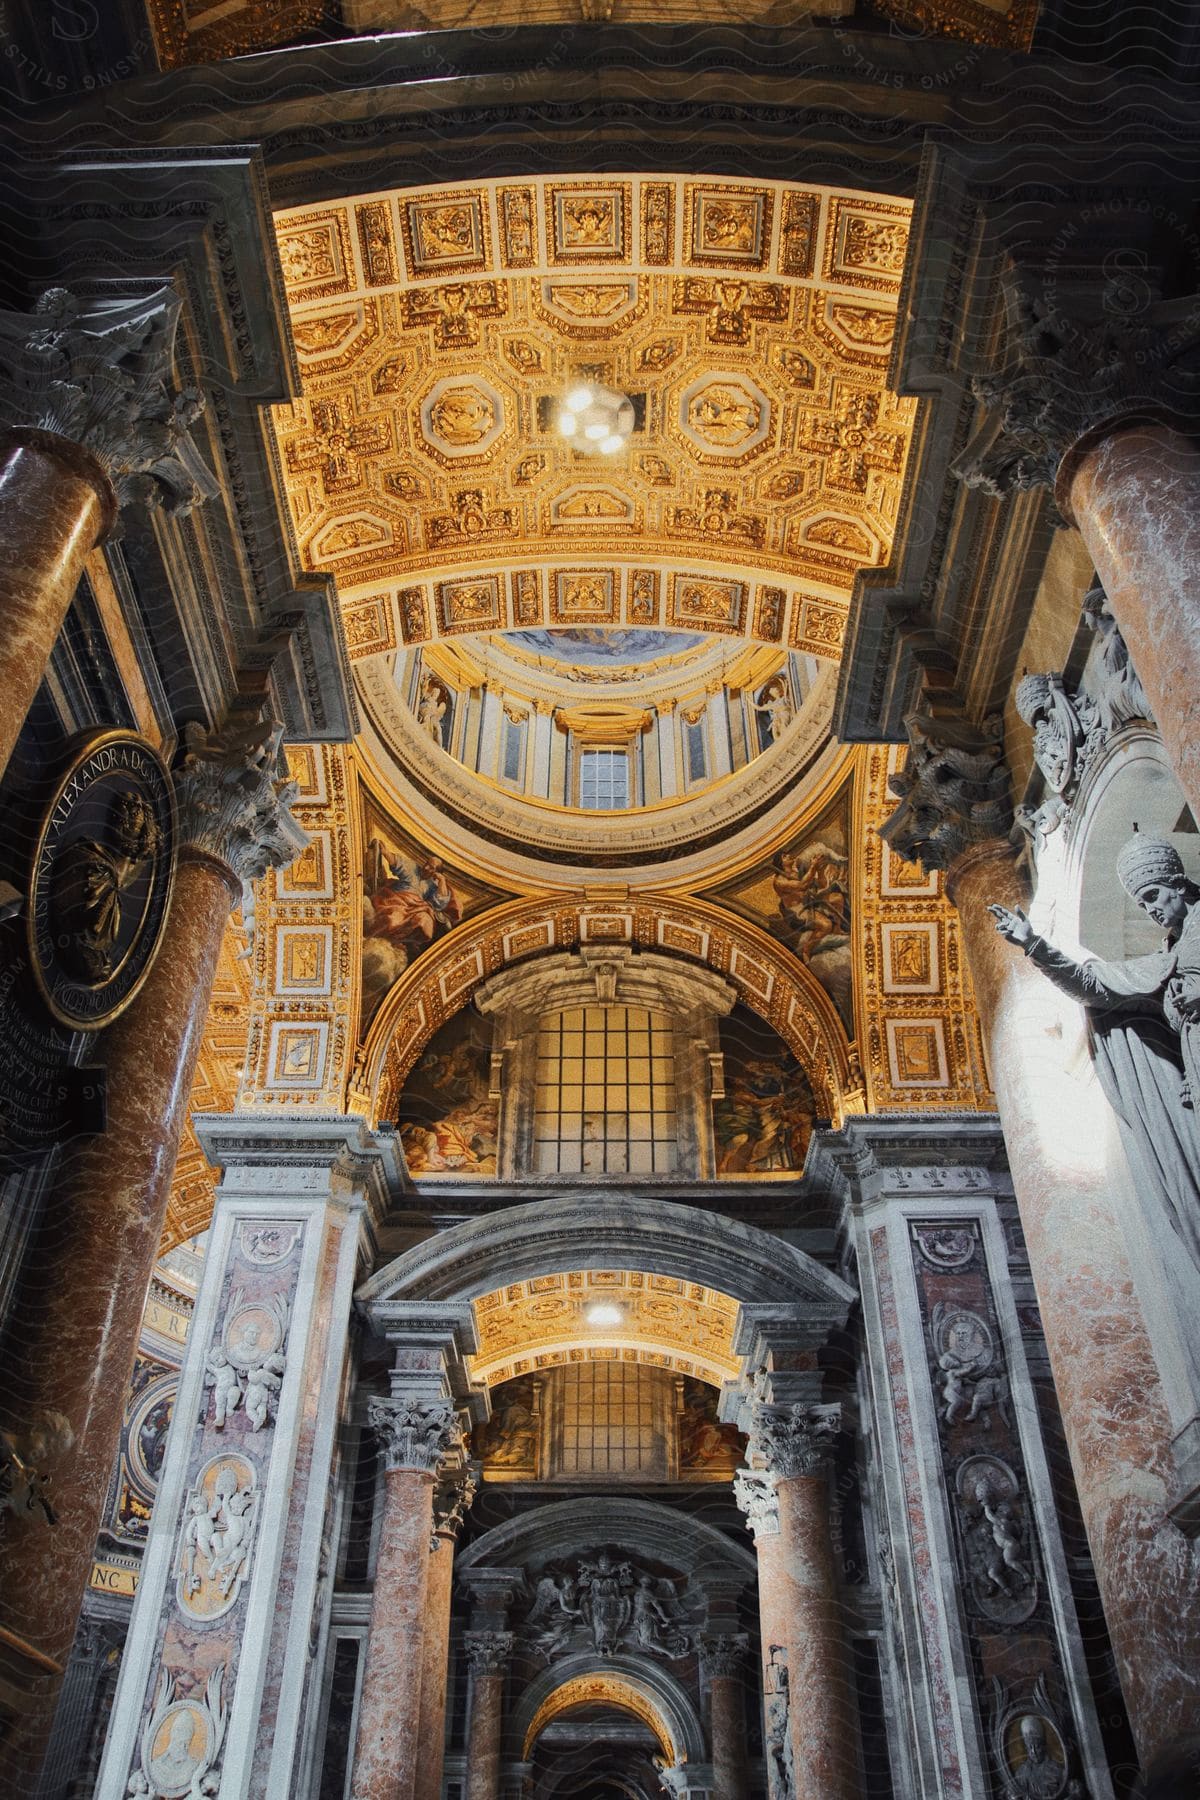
(1144, 1016)
(223, 1378)
(776, 704)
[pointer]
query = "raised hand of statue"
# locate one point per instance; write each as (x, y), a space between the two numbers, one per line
(1012, 924)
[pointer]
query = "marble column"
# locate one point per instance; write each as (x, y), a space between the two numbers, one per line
(67, 1367)
(415, 1435)
(795, 1442)
(722, 1667)
(1110, 1396)
(488, 1653)
(236, 1575)
(1096, 406)
(754, 1491)
(1135, 495)
(451, 1501)
(90, 427)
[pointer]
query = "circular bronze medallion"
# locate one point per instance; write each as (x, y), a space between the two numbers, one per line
(102, 879)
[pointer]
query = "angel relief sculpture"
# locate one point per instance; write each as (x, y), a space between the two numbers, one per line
(616, 1604)
(246, 1368)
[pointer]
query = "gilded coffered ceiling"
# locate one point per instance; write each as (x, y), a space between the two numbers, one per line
(625, 1314)
(751, 326)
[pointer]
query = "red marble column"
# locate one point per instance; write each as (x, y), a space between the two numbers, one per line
(754, 1492)
(488, 1653)
(68, 1357)
(823, 1714)
(56, 503)
(1113, 1409)
(1135, 495)
(451, 1499)
(95, 428)
(415, 1435)
(722, 1662)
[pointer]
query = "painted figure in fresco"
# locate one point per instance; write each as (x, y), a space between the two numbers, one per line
(813, 894)
(407, 903)
(704, 1442)
(1041, 1774)
(763, 1121)
(448, 1117)
(1144, 1018)
(509, 1438)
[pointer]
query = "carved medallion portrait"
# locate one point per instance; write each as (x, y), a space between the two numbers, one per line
(102, 878)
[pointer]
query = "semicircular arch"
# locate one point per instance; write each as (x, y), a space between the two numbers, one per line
(633, 1682)
(768, 979)
(575, 1527)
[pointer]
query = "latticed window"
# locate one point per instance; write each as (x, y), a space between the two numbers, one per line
(604, 779)
(612, 1421)
(604, 1100)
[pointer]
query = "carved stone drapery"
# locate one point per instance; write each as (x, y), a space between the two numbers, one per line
(954, 790)
(1068, 378)
(235, 797)
(488, 1652)
(796, 1440)
(414, 1434)
(93, 371)
(452, 1499)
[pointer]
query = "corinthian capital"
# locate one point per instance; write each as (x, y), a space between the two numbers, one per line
(794, 1440)
(488, 1651)
(724, 1655)
(235, 797)
(954, 791)
(95, 370)
(1065, 378)
(414, 1434)
(754, 1492)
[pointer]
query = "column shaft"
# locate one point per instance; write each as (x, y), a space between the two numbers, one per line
(823, 1712)
(56, 502)
(1136, 498)
(483, 1734)
(389, 1720)
(1104, 1370)
(434, 1669)
(727, 1721)
(80, 1317)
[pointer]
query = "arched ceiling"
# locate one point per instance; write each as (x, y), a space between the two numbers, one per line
(750, 322)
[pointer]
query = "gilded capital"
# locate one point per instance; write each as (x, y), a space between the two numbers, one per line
(794, 1440)
(94, 371)
(1065, 378)
(954, 791)
(754, 1492)
(414, 1434)
(235, 797)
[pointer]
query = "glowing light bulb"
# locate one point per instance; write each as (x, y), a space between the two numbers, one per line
(567, 423)
(578, 399)
(611, 443)
(595, 432)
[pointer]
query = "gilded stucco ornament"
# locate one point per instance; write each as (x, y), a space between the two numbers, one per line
(953, 791)
(1066, 379)
(235, 797)
(94, 371)
(414, 1434)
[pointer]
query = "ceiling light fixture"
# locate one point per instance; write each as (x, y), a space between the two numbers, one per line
(604, 1314)
(597, 419)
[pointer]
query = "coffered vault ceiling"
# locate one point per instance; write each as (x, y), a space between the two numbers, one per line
(751, 324)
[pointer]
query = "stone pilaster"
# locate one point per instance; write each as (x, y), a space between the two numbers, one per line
(72, 1359)
(975, 1577)
(235, 1573)
(89, 426)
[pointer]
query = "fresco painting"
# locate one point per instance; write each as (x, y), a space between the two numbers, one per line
(448, 1124)
(763, 1122)
(802, 897)
(599, 645)
(410, 900)
(708, 1449)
